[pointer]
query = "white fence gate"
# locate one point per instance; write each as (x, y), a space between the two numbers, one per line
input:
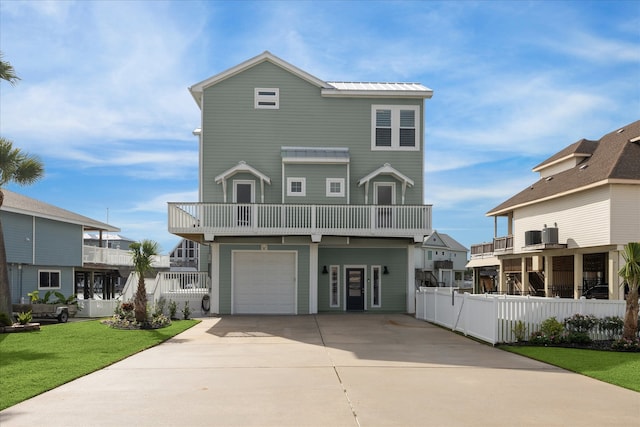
(492, 318)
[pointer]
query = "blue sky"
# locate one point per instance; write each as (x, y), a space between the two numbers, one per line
(104, 102)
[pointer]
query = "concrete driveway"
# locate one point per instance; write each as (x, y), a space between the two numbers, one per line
(327, 370)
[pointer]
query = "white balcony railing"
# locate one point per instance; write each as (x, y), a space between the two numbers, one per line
(286, 219)
(117, 257)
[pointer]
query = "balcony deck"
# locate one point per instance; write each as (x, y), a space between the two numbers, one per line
(499, 246)
(117, 257)
(209, 220)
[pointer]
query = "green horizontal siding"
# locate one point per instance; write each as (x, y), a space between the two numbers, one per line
(233, 131)
(394, 285)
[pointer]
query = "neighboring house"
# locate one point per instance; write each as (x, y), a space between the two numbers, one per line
(107, 240)
(44, 246)
(311, 192)
(185, 256)
(441, 261)
(566, 231)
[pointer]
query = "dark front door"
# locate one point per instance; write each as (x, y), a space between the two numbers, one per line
(355, 288)
(243, 199)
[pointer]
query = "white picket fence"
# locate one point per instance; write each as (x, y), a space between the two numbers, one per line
(492, 318)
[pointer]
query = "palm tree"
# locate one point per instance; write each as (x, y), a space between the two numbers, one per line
(7, 72)
(23, 169)
(143, 254)
(630, 272)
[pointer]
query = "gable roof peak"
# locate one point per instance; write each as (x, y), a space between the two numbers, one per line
(266, 56)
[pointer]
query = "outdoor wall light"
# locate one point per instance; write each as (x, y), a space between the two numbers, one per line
(386, 270)
(324, 270)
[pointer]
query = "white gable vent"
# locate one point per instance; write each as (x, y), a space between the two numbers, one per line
(268, 98)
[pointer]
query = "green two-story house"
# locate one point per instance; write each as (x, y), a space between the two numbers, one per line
(311, 192)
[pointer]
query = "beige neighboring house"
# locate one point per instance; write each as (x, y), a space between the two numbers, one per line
(566, 232)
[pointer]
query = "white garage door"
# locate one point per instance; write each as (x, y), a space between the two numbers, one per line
(264, 283)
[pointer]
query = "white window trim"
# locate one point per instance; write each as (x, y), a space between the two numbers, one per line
(335, 268)
(334, 181)
(395, 127)
(379, 268)
(384, 184)
(244, 181)
(50, 287)
(303, 191)
(258, 98)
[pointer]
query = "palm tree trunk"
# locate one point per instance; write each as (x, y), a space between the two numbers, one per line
(5, 287)
(140, 301)
(630, 331)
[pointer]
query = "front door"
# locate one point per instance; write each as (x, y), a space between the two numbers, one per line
(243, 196)
(355, 288)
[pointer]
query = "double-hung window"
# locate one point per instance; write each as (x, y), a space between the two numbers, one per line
(395, 127)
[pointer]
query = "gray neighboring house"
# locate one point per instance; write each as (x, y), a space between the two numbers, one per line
(311, 192)
(44, 246)
(441, 261)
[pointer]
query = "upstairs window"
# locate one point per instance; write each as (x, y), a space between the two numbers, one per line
(395, 127)
(267, 98)
(335, 187)
(296, 187)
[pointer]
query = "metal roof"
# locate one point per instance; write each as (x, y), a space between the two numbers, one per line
(379, 86)
(311, 154)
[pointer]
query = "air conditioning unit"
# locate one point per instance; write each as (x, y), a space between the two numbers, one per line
(532, 237)
(550, 235)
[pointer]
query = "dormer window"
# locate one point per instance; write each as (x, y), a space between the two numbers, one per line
(267, 98)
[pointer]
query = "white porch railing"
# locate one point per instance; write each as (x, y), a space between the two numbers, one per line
(117, 257)
(492, 318)
(277, 219)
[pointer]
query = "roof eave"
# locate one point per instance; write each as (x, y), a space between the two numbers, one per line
(337, 93)
(265, 56)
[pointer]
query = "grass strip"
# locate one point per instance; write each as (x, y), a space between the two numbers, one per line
(34, 362)
(618, 368)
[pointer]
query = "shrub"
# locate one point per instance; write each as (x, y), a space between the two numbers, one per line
(125, 311)
(186, 311)
(551, 332)
(24, 317)
(611, 325)
(5, 320)
(159, 307)
(173, 308)
(520, 331)
(580, 323)
(578, 338)
(159, 320)
(626, 345)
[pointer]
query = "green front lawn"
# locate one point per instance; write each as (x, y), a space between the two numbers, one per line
(34, 362)
(618, 368)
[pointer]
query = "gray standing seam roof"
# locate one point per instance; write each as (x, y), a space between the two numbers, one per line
(315, 153)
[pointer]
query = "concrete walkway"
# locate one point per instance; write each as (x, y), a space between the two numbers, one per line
(327, 370)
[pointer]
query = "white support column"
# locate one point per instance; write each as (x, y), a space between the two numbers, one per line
(411, 280)
(577, 275)
(214, 254)
(548, 275)
(502, 279)
(524, 276)
(615, 261)
(313, 278)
